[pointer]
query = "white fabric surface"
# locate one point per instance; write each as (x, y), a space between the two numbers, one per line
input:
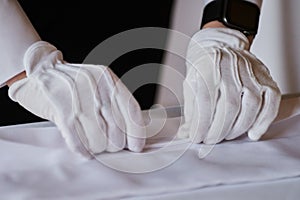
(276, 190)
(36, 164)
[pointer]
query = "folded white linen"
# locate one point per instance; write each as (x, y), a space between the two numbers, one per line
(36, 164)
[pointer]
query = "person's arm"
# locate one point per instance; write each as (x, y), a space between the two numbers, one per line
(227, 90)
(16, 78)
(16, 35)
(90, 106)
(218, 24)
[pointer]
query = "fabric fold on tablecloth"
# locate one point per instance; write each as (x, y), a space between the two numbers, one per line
(36, 164)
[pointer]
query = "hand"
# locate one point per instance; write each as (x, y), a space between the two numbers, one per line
(227, 90)
(91, 107)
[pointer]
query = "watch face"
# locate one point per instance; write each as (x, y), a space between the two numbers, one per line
(242, 15)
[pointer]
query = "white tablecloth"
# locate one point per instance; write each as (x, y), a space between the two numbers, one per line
(35, 164)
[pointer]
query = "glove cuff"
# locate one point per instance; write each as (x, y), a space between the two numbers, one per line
(39, 55)
(221, 37)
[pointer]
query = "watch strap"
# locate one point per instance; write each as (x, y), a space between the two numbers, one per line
(217, 10)
(212, 12)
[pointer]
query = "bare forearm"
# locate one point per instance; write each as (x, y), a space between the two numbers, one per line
(16, 78)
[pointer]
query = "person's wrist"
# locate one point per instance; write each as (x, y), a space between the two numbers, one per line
(16, 78)
(217, 24)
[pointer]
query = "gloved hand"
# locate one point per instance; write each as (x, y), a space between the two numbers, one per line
(91, 107)
(227, 90)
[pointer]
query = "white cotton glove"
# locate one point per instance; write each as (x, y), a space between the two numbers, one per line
(227, 90)
(91, 107)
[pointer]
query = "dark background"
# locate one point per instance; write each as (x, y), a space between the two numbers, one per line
(76, 27)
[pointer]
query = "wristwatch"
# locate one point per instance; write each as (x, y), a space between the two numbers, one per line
(236, 14)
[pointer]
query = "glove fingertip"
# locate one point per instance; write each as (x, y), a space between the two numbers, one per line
(137, 145)
(256, 132)
(116, 144)
(183, 132)
(254, 135)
